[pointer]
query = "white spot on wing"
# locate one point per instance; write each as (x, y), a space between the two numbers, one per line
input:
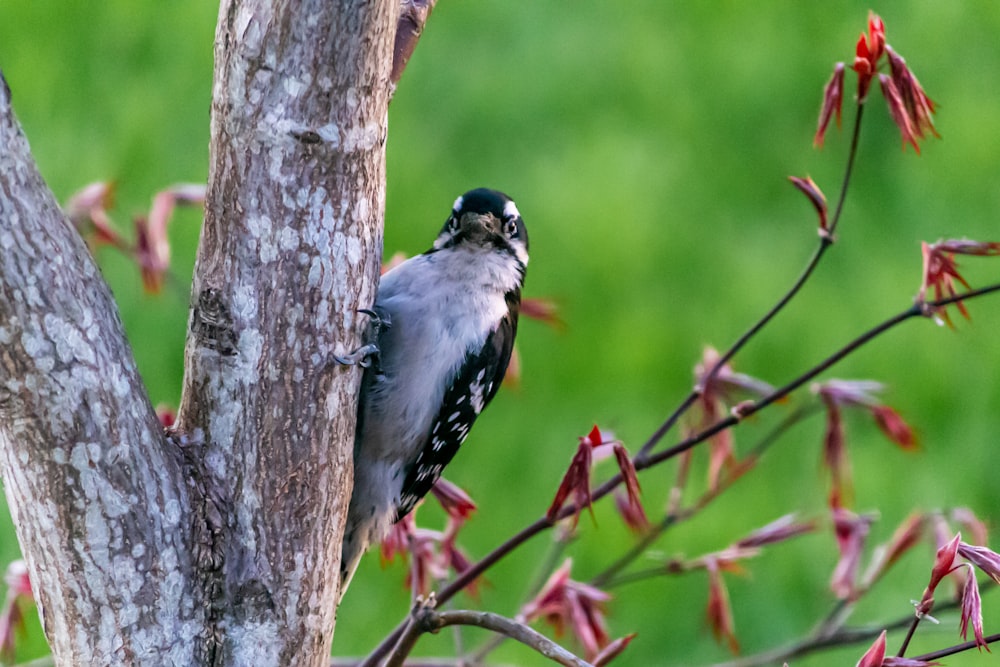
(476, 396)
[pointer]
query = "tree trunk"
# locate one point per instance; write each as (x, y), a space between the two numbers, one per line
(289, 252)
(220, 544)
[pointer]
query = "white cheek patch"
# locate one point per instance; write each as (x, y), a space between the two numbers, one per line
(520, 252)
(457, 206)
(441, 240)
(509, 209)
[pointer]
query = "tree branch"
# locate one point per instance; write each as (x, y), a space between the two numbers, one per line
(413, 17)
(825, 242)
(641, 463)
(417, 662)
(609, 577)
(96, 491)
(825, 637)
(425, 619)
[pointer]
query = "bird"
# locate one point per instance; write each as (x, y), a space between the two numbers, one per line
(445, 323)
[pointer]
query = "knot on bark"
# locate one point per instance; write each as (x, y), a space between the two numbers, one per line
(8, 402)
(212, 324)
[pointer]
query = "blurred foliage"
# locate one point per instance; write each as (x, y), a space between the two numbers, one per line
(647, 145)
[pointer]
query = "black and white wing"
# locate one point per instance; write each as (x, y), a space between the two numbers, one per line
(475, 384)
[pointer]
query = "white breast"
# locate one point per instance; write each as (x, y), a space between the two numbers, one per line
(441, 305)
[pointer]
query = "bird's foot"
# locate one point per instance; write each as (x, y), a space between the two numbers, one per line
(368, 354)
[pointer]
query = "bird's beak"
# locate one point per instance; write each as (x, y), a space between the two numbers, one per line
(479, 226)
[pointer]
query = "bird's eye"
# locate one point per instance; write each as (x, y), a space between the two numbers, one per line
(453, 223)
(510, 225)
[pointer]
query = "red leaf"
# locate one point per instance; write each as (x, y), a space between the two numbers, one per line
(455, 501)
(634, 504)
(986, 560)
(833, 101)
(874, 656)
(88, 208)
(897, 110)
(971, 524)
(563, 603)
(544, 310)
(894, 428)
(152, 248)
(907, 535)
(576, 481)
(166, 414)
(876, 37)
(851, 531)
(613, 650)
(719, 612)
(816, 197)
(12, 620)
(941, 274)
(776, 531)
(944, 563)
(919, 107)
(972, 611)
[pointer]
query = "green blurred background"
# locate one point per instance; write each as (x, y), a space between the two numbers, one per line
(647, 145)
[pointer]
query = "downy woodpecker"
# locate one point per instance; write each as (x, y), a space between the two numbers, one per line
(449, 317)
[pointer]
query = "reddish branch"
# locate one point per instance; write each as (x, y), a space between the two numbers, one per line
(413, 17)
(643, 462)
(825, 241)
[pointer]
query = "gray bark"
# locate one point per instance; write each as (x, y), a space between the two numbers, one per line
(96, 492)
(289, 252)
(219, 545)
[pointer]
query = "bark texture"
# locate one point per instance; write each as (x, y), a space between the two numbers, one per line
(218, 544)
(289, 252)
(96, 491)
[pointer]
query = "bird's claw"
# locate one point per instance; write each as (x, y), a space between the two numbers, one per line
(380, 320)
(360, 357)
(368, 354)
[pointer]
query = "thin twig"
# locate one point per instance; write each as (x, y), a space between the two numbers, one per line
(826, 637)
(957, 648)
(749, 409)
(608, 576)
(541, 576)
(513, 629)
(418, 662)
(402, 647)
(425, 619)
(780, 393)
(825, 241)
(834, 619)
(842, 637)
(542, 524)
(459, 641)
(852, 153)
(813, 643)
(909, 635)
